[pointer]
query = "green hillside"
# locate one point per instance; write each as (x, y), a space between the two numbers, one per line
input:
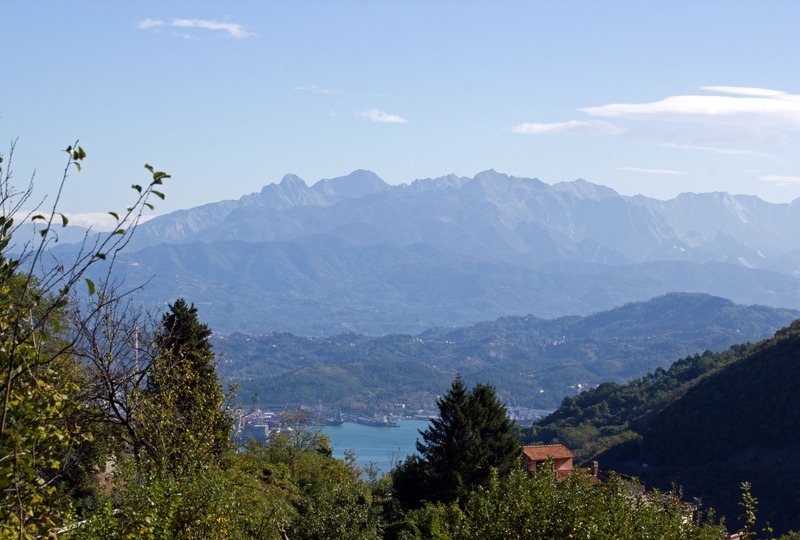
(531, 361)
(709, 422)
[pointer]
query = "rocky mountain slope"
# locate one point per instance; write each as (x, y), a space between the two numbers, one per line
(354, 253)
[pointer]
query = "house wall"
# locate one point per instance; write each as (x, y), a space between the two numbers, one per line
(560, 466)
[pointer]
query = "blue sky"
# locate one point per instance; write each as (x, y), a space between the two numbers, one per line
(645, 97)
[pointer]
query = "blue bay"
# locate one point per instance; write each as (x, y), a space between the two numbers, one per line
(382, 446)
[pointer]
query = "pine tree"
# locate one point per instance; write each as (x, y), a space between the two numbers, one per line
(495, 443)
(459, 449)
(183, 332)
(184, 421)
(183, 342)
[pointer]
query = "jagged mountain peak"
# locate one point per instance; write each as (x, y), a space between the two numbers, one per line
(292, 180)
(489, 174)
(491, 177)
(358, 183)
(495, 243)
(720, 197)
(450, 181)
(583, 189)
(507, 216)
(292, 191)
(493, 184)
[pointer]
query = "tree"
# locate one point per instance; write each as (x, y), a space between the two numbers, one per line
(458, 451)
(184, 338)
(33, 439)
(542, 507)
(38, 372)
(184, 419)
(117, 350)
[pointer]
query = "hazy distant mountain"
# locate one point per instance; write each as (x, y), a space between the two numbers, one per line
(257, 216)
(356, 253)
(356, 184)
(531, 361)
(509, 216)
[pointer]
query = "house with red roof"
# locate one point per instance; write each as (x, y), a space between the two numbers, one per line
(540, 455)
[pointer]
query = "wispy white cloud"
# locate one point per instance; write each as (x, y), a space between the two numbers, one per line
(780, 180)
(315, 89)
(715, 150)
(148, 24)
(381, 117)
(744, 91)
(650, 171)
(757, 109)
(580, 127)
(730, 115)
(785, 112)
(230, 29)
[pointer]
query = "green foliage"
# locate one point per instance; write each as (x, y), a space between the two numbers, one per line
(614, 415)
(340, 511)
(182, 418)
(199, 506)
(520, 506)
(471, 436)
(35, 399)
(184, 338)
(40, 428)
(33, 444)
(710, 421)
(434, 521)
(749, 505)
(750, 407)
(288, 487)
(332, 501)
(750, 402)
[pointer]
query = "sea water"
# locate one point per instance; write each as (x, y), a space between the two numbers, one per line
(382, 446)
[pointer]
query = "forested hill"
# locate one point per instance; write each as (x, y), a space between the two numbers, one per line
(709, 422)
(531, 361)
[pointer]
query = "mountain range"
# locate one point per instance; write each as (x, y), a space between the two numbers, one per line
(357, 254)
(531, 361)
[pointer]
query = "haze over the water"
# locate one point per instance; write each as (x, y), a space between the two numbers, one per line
(644, 97)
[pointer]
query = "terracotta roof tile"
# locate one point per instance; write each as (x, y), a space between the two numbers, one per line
(545, 451)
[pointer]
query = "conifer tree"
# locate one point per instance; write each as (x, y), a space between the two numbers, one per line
(184, 419)
(459, 449)
(496, 444)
